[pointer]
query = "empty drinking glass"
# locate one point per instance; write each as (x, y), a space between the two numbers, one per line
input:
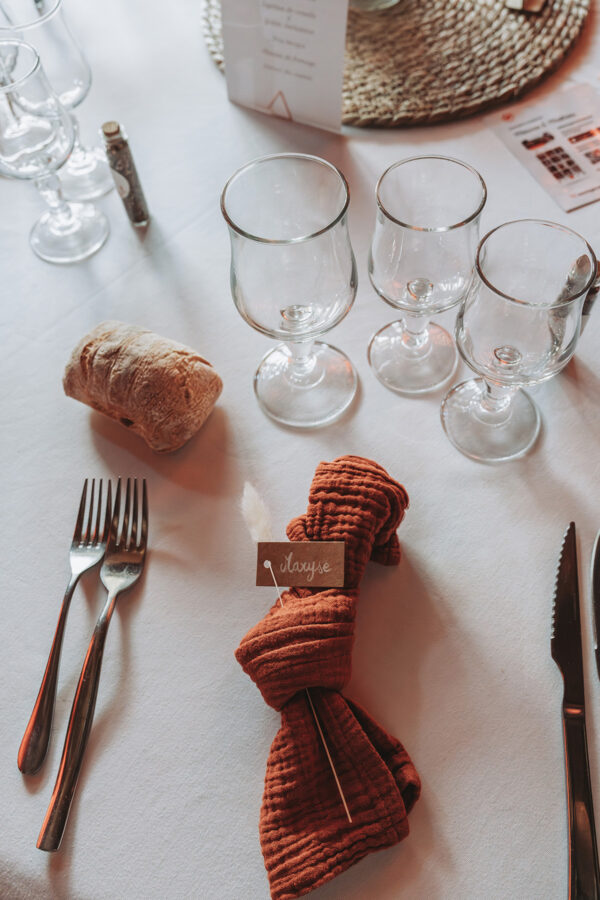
(293, 277)
(36, 137)
(421, 262)
(518, 326)
(42, 24)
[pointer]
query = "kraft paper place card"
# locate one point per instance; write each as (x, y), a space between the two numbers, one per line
(286, 57)
(300, 563)
(558, 140)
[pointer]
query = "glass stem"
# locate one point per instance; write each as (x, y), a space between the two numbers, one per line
(60, 211)
(78, 150)
(302, 361)
(415, 335)
(494, 406)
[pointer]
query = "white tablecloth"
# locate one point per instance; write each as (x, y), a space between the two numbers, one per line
(452, 649)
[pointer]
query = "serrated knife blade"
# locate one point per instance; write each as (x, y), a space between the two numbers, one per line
(566, 626)
(596, 597)
(584, 874)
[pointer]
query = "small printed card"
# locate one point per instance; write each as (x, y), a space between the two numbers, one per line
(558, 140)
(300, 563)
(286, 57)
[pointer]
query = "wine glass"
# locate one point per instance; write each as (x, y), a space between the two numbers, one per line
(36, 137)
(421, 262)
(518, 326)
(42, 24)
(293, 277)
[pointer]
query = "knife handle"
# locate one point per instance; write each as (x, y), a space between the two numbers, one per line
(584, 875)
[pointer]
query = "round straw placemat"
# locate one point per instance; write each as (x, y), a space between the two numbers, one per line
(426, 61)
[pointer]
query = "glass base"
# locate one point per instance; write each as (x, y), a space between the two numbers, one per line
(86, 175)
(305, 393)
(488, 441)
(69, 238)
(408, 369)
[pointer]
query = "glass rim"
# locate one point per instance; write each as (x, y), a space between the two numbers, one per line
(544, 223)
(5, 89)
(282, 241)
(441, 228)
(33, 23)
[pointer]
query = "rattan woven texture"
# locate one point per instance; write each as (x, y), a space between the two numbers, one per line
(426, 61)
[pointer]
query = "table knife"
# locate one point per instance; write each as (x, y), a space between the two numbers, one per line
(596, 597)
(584, 875)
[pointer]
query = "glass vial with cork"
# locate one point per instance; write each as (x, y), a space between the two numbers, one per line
(125, 173)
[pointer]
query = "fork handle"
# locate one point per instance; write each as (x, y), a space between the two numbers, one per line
(78, 732)
(34, 745)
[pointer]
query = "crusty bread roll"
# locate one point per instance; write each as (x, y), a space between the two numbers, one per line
(158, 388)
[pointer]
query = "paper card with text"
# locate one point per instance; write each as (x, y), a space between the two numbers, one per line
(300, 563)
(558, 140)
(286, 57)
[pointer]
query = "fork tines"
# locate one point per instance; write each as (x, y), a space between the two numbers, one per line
(127, 537)
(91, 537)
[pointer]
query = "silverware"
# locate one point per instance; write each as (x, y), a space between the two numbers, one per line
(122, 566)
(596, 597)
(86, 551)
(584, 875)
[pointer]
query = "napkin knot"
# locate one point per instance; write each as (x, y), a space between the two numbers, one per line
(354, 500)
(305, 641)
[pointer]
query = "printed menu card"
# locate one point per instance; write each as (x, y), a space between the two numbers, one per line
(558, 140)
(286, 57)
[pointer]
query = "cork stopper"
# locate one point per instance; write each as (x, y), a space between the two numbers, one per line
(111, 131)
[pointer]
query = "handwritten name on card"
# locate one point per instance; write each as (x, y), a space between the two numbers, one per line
(301, 563)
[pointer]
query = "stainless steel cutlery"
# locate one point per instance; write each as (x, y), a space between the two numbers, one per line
(123, 564)
(87, 549)
(118, 535)
(596, 597)
(101, 533)
(584, 874)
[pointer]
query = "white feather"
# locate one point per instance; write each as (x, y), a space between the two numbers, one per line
(256, 514)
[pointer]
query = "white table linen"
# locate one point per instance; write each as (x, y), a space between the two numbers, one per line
(452, 649)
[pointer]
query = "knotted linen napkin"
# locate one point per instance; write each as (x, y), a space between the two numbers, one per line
(305, 836)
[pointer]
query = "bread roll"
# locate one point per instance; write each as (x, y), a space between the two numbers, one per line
(158, 388)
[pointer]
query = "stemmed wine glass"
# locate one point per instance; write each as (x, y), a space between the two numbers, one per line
(36, 137)
(518, 326)
(293, 277)
(42, 24)
(421, 262)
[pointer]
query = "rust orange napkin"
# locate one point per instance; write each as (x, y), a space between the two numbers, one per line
(305, 836)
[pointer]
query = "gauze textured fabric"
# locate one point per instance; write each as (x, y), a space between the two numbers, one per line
(305, 835)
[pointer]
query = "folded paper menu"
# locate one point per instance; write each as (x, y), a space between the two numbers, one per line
(286, 57)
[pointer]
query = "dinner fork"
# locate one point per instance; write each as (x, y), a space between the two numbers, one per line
(122, 566)
(86, 551)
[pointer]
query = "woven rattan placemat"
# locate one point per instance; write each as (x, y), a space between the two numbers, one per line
(436, 60)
